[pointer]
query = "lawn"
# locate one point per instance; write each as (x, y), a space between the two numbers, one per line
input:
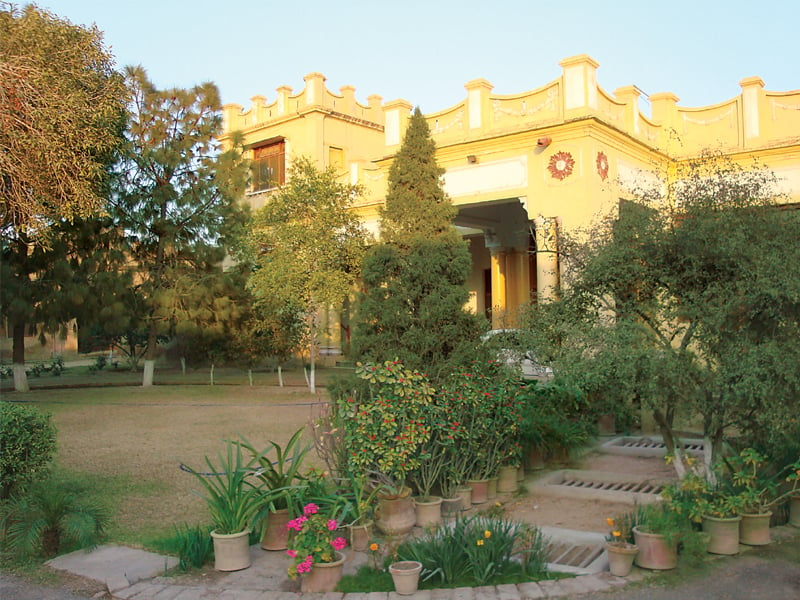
(130, 441)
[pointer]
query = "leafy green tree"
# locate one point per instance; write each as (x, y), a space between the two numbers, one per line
(177, 198)
(689, 302)
(307, 246)
(271, 330)
(61, 113)
(61, 106)
(76, 275)
(414, 282)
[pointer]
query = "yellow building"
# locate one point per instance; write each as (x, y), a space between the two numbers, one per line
(520, 168)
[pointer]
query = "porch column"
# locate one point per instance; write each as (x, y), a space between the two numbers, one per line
(520, 282)
(499, 297)
(547, 275)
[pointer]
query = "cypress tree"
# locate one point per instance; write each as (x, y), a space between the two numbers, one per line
(414, 283)
(416, 203)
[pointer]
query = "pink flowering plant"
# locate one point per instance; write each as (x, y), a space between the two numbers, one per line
(313, 538)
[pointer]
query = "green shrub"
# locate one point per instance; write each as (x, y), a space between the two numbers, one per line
(195, 546)
(51, 516)
(27, 444)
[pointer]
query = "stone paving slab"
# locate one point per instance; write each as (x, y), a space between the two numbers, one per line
(112, 565)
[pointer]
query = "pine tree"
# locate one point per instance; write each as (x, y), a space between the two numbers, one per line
(177, 199)
(414, 282)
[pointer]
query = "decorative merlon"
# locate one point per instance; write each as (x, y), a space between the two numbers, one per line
(580, 82)
(579, 59)
(396, 114)
(478, 91)
(315, 88)
(751, 90)
(664, 107)
(478, 84)
(750, 81)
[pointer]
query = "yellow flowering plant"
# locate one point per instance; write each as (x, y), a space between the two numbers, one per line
(621, 534)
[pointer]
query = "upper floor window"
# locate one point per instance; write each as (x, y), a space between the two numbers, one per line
(269, 166)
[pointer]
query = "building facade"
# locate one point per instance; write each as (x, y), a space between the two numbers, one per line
(520, 168)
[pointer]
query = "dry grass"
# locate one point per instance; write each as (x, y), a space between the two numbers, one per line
(132, 440)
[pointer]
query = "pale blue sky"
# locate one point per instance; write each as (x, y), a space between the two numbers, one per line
(426, 50)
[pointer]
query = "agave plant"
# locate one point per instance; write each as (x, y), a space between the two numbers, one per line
(50, 516)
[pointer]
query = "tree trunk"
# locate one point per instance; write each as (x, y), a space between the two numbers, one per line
(280, 375)
(149, 370)
(250, 376)
(18, 358)
(183, 366)
(211, 374)
(150, 356)
(312, 331)
(675, 449)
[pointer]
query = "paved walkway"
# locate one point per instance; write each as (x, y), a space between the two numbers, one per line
(137, 575)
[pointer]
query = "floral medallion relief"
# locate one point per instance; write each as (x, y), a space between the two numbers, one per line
(561, 165)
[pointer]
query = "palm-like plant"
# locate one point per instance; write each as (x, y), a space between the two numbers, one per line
(50, 516)
(233, 500)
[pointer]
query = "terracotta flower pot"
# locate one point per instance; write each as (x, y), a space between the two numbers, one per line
(276, 534)
(491, 490)
(507, 480)
(231, 551)
(724, 534)
(654, 551)
(620, 558)
(465, 493)
(323, 577)
(794, 510)
(405, 575)
(480, 490)
(754, 529)
(451, 506)
(535, 460)
(360, 536)
(428, 511)
(395, 515)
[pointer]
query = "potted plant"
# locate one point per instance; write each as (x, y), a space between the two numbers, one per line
(315, 548)
(234, 501)
(758, 490)
(385, 428)
(656, 532)
(757, 493)
(719, 507)
(279, 471)
(716, 506)
(620, 548)
(361, 493)
(431, 469)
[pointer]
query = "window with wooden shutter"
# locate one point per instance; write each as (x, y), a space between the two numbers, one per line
(269, 166)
